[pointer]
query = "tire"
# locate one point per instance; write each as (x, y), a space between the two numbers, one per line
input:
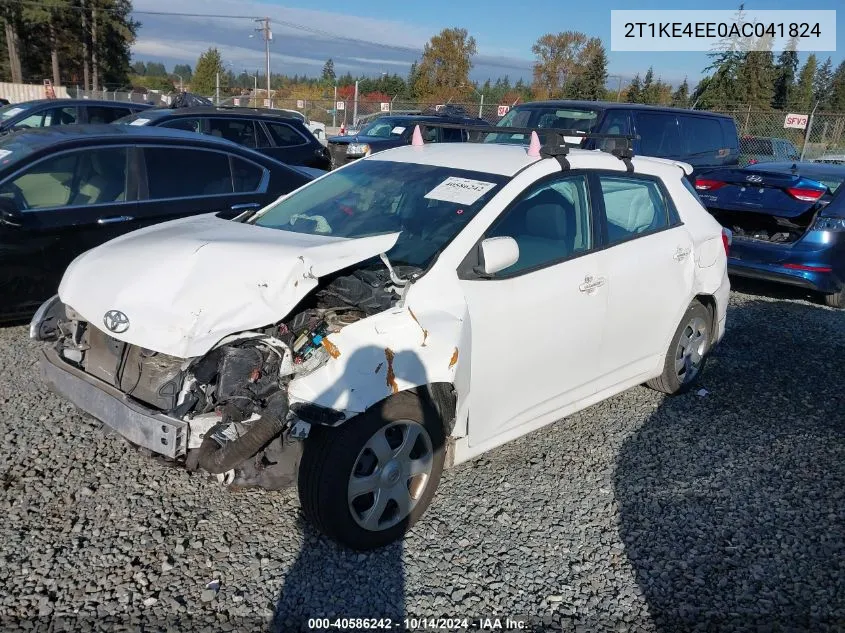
(689, 347)
(836, 299)
(336, 458)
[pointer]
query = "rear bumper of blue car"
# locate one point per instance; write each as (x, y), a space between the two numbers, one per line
(825, 282)
(816, 262)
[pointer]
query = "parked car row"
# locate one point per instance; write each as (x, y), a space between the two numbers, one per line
(66, 189)
(358, 332)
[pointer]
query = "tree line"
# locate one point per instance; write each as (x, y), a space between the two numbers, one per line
(80, 42)
(87, 42)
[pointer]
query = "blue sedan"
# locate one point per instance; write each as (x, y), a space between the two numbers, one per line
(788, 223)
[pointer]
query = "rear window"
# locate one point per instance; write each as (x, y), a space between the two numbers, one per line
(702, 135)
(659, 135)
(753, 145)
(557, 117)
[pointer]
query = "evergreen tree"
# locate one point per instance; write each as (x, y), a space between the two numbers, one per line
(635, 90)
(680, 98)
(209, 64)
(822, 83)
(328, 71)
(803, 98)
(755, 80)
(649, 89)
(837, 89)
(785, 71)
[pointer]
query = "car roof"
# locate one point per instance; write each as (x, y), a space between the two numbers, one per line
(219, 110)
(433, 118)
(36, 138)
(124, 104)
(608, 105)
(507, 159)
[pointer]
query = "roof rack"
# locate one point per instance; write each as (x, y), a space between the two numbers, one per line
(555, 142)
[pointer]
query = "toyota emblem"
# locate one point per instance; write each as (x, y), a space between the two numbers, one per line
(116, 321)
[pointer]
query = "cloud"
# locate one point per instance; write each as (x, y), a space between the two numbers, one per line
(365, 46)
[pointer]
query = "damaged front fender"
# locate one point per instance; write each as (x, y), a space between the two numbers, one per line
(397, 350)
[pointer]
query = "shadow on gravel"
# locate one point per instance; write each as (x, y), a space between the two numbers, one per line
(329, 581)
(732, 505)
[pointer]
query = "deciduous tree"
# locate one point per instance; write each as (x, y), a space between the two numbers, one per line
(558, 56)
(443, 71)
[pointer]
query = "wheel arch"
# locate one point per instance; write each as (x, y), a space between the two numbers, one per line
(709, 302)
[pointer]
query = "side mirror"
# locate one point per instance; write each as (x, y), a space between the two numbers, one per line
(10, 215)
(497, 253)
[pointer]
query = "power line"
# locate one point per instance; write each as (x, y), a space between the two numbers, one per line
(292, 25)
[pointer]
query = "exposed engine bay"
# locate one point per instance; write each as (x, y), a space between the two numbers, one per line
(766, 228)
(234, 398)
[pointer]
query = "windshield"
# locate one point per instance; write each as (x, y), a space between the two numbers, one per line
(385, 128)
(429, 204)
(13, 110)
(558, 117)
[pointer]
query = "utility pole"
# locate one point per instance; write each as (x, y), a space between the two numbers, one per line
(267, 34)
(355, 106)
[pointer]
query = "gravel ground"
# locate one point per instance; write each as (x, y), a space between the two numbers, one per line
(723, 511)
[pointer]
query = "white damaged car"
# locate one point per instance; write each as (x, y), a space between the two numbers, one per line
(405, 313)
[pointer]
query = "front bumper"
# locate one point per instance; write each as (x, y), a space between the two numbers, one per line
(140, 425)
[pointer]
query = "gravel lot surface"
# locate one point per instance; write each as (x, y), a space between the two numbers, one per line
(723, 511)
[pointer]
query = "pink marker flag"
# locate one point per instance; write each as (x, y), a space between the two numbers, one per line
(534, 147)
(417, 139)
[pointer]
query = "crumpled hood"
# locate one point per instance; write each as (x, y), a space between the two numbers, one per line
(186, 284)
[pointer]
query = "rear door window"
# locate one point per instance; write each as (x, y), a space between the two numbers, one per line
(284, 135)
(702, 135)
(186, 173)
(51, 116)
(633, 207)
(240, 131)
(659, 134)
(247, 176)
(106, 114)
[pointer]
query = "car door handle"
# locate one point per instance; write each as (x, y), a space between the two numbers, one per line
(681, 254)
(244, 206)
(591, 283)
(115, 219)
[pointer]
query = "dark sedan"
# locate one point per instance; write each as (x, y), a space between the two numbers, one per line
(53, 112)
(270, 132)
(788, 223)
(64, 190)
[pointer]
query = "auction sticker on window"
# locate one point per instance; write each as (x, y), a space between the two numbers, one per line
(4, 153)
(460, 190)
(140, 122)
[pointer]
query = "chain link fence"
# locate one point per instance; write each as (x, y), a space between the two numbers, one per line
(824, 133)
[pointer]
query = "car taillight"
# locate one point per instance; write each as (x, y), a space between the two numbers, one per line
(705, 184)
(753, 161)
(804, 194)
(727, 238)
